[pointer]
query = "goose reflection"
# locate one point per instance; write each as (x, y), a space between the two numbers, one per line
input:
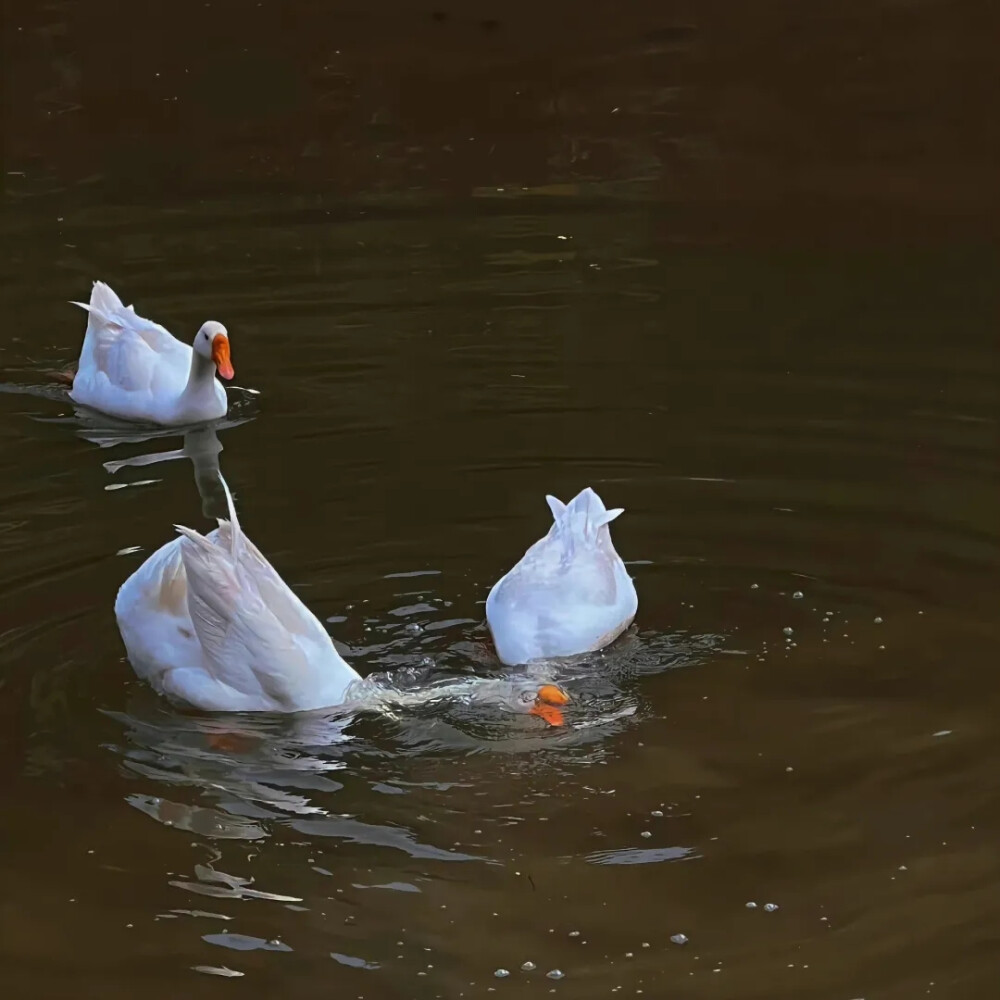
(200, 444)
(239, 775)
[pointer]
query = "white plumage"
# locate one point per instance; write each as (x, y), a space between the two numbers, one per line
(569, 594)
(134, 369)
(209, 623)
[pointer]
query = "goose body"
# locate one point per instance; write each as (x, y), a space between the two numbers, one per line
(210, 624)
(569, 594)
(134, 369)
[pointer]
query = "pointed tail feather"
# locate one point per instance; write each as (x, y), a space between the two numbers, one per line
(235, 533)
(610, 515)
(556, 505)
(595, 514)
(103, 302)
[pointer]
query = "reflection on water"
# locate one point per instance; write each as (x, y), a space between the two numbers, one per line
(732, 267)
(260, 770)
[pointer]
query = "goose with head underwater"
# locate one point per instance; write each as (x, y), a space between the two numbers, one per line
(134, 369)
(569, 594)
(208, 623)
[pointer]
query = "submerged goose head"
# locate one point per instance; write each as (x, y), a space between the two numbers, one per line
(212, 343)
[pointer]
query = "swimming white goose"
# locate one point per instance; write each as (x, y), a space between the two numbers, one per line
(134, 369)
(569, 594)
(209, 623)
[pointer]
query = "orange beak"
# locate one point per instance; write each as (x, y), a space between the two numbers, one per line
(547, 703)
(220, 355)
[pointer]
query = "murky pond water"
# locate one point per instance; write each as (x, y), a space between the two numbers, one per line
(733, 272)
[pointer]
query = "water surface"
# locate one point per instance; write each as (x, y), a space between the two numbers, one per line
(731, 270)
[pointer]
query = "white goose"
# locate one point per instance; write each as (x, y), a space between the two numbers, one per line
(209, 623)
(134, 369)
(569, 594)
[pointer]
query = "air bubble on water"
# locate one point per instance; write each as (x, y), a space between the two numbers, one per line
(657, 813)
(574, 933)
(679, 938)
(555, 974)
(878, 621)
(501, 973)
(755, 586)
(798, 595)
(751, 905)
(770, 907)
(645, 833)
(528, 967)
(413, 627)
(788, 630)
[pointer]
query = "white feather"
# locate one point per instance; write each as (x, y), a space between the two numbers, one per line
(209, 622)
(569, 594)
(134, 369)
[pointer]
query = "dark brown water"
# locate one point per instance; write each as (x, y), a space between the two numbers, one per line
(730, 264)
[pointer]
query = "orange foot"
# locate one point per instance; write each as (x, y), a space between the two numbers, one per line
(66, 377)
(233, 742)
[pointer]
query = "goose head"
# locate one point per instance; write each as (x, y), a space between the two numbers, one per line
(212, 343)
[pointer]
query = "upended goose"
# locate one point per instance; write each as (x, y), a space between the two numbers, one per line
(208, 622)
(569, 594)
(134, 369)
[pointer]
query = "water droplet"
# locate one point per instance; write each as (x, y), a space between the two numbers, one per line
(878, 621)
(501, 973)
(751, 905)
(798, 595)
(755, 586)
(788, 630)
(528, 967)
(679, 938)
(555, 974)
(770, 907)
